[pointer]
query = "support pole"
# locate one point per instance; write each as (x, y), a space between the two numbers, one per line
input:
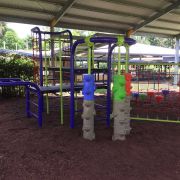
(61, 84)
(46, 76)
(176, 77)
(27, 102)
(108, 103)
(52, 52)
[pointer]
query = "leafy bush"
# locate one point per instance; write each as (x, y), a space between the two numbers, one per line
(15, 67)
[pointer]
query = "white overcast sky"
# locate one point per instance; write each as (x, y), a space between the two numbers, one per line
(22, 30)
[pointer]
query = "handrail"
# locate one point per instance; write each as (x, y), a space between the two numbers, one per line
(18, 83)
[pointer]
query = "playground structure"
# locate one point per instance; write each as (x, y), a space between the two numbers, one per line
(89, 87)
(60, 68)
(45, 147)
(56, 71)
(41, 46)
(43, 85)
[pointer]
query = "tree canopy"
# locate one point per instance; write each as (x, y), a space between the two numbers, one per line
(156, 41)
(9, 38)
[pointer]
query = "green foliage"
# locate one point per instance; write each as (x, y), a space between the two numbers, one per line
(156, 41)
(141, 39)
(75, 32)
(82, 33)
(10, 39)
(102, 65)
(15, 67)
(3, 28)
(27, 41)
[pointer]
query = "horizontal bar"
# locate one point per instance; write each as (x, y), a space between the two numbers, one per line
(33, 114)
(157, 64)
(100, 105)
(35, 104)
(155, 120)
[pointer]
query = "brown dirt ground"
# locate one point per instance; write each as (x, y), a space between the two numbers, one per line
(150, 152)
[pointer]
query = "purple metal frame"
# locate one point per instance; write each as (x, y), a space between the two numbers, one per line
(29, 87)
(36, 30)
(39, 32)
(107, 40)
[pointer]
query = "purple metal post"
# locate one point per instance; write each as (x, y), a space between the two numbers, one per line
(108, 103)
(27, 102)
(27, 84)
(110, 50)
(72, 77)
(40, 108)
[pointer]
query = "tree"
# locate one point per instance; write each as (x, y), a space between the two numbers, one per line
(3, 28)
(156, 41)
(11, 39)
(141, 39)
(76, 32)
(169, 42)
(27, 42)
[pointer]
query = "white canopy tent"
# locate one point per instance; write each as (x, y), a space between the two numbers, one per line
(140, 49)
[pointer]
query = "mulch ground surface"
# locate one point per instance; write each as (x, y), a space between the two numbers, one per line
(150, 152)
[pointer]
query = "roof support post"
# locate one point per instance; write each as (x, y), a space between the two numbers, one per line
(176, 77)
(129, 33)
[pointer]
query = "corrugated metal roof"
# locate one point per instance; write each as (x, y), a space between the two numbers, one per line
(116, 16)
